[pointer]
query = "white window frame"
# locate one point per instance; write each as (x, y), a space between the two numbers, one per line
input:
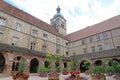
(105, 36)
(2, 21)
(107, 47)
(98, 37)
(92, 49)
(45, 36)
(100, 47)
(18, 27)
(34, 33)
(44, 48)
(15, 41)
(33, 45)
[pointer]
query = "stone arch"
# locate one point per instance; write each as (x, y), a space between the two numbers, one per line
(15, 65)
(2, 63)
(98, 62)
(65, 64)
(34, 63)
(115, 59)
(47, 64)
(84, 65)
(57, 65)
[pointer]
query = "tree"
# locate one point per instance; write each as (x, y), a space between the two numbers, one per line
(74, 63)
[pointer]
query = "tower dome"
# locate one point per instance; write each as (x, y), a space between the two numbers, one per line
(58, 13)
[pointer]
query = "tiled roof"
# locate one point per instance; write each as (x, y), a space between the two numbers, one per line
(28, 18)
(109, 24)
(6, 47)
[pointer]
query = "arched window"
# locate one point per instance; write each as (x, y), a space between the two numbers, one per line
(33, 65)
(15, 65)
(84, 65)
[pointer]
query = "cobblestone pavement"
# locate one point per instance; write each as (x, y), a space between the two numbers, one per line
(62, 77)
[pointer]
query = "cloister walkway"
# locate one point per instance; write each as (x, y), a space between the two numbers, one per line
(62, 77)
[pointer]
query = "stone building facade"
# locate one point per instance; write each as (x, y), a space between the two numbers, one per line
(22, 36)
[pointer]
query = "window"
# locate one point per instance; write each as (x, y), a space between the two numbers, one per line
(84, 50)
(15, 41)
(105, 36)
(45, 36)
(57, 48)
(107, 46)
(67, 54)
(91, 39)
(44, 47)
(93, 49)
(67, 43)
(1, 35)
(98, 37)
(34, 33)
(83, 42)
(58, 42)
(100, 47)
(18, 27)
(33, 46)
(2, 21)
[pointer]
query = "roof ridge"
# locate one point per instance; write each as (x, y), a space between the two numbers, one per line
(28, 18)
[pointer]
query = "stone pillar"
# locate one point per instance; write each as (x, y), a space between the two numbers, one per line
(27, 68)
(8, 68)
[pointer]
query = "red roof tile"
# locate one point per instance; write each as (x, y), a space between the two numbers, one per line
(27, 17)
(109, 24)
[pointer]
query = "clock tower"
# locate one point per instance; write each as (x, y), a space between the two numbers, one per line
(58, 22)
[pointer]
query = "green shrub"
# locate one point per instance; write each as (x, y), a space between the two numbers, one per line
(116, 67)
(98, 70)
(42, 69)
(21, 66)
(65, 69)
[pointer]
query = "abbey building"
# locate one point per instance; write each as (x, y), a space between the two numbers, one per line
(22, 36)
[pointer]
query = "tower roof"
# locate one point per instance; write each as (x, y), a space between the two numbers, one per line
(58, 13)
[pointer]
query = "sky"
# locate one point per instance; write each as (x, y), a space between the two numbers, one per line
(78, 13)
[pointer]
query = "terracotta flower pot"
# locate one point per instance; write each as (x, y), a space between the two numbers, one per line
(96, 78)
(54, 76)
(43, 74)
(21, 76)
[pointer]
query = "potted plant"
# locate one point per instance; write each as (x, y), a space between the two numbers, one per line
(75, 73)
(42, 70)
(116, 69)
(86, 65)
(98, 73)
(73, 64)
(20, 75)
(54, 60)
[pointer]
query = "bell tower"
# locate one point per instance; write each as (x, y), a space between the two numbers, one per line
(58, 22)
